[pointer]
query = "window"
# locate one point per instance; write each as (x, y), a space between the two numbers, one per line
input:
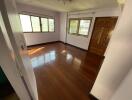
(44, 22)
(84, 27)
(51, 25)
(47, 25)
(35, 24)
(73, 26)
(26, 23)
(79, 26)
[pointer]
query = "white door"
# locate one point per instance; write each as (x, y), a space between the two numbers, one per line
(8, 64)
(16, 37)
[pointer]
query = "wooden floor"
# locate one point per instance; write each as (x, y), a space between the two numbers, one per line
(64, 72)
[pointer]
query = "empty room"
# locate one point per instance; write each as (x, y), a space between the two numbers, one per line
(65, 50)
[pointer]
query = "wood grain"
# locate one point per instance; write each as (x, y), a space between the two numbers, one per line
(64, 72)
(101, 34)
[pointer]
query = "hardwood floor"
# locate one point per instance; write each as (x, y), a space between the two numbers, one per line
(64, 72)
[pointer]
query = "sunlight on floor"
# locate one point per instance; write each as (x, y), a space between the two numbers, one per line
(32, 51)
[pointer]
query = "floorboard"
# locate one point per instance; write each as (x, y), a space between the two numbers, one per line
(64, 72)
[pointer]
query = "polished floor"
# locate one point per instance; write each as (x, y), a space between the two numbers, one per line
(64, 72)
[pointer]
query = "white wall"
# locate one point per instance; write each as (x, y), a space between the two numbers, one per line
(124, 92)
(118, 59)
(63, 19)
(80, 41)
(37, 38)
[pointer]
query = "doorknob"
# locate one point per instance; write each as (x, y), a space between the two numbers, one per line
(22, 47)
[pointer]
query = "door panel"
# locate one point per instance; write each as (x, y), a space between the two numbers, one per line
(14, 30)
(8, 64)
(103, 28)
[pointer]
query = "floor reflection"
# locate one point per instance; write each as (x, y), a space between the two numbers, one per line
(32, 51)
(43, 59)
(72, 59)
(69, 56)
(76, 63)
(63, 51)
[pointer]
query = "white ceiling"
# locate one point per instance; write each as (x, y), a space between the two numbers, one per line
(75, 5)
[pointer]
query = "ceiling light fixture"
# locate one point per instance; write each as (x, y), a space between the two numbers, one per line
(65, 1)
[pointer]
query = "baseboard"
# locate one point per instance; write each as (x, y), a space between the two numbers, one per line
(43, 43)
(73, 46)
(59, 42)
(56, 42)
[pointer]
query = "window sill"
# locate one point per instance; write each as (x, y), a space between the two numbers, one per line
(86, 36)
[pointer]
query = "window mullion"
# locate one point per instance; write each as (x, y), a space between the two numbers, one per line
(40, 24)
(48, 24)
(78, 27)
(31, 23)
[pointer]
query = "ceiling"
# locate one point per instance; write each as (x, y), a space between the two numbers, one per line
(74, 5)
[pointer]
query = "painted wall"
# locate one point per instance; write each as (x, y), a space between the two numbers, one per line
(63, 19)
(37, 38)
(80, 41)
(124, 92)
(118, 59)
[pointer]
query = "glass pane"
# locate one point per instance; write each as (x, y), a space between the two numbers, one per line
(26, 23)
(84, 27)
(51, 25)
(44, 22)
(35, 24)
(73, 26)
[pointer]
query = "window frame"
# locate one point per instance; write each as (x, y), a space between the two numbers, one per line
(47, 24)
(79, 19)
(77, 26)
(49, 17)
(32, 25)
(21, 22)
(54, 25)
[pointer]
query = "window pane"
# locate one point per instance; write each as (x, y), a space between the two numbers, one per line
(73, 26)
(51, 25)
(44, 22)
(84, 27)
(35, 24)
(26, 23)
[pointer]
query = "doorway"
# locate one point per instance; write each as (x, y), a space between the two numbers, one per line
(6, 90)
(101, 34)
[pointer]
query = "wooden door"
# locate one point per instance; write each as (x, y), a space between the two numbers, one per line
(103, 28)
